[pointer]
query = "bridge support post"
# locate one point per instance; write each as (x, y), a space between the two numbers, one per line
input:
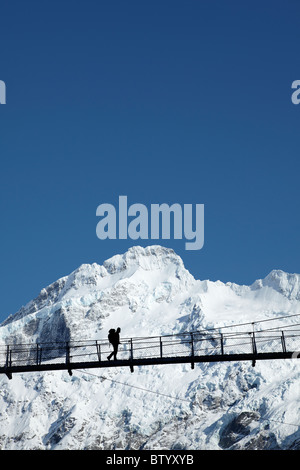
(192, 351)
(131, 356)
(222, 344)
(38, 354)
(254, 349)
(68, 358)
(8, 362)
(283, 342)
(98, 351)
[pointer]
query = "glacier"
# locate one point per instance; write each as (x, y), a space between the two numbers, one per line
(146, 292)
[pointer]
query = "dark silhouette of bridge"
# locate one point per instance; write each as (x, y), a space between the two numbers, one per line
(193, 347)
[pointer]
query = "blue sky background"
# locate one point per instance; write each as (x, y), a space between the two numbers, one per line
(162, 101)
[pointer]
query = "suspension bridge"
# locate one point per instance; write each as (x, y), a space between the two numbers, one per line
(192, 347)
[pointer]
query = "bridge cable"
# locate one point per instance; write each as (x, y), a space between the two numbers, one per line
(134, 386)
(174, 398)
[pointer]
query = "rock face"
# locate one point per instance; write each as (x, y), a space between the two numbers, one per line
(147, 292)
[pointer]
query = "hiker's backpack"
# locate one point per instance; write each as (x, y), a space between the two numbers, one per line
(111, 335)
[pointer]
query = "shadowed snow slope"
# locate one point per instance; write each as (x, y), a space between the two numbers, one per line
(148, 291)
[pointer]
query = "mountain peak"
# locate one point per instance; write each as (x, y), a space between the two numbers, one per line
(148, 258)
(287, 284)
(92, 292)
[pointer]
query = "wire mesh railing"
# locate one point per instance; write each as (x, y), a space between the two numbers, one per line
(191, 345)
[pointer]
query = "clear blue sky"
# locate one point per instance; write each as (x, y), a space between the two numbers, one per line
(162, 101)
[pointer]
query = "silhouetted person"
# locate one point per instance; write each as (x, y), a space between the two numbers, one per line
(114, 339)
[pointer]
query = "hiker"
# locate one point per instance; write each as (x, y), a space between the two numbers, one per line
(114, 339)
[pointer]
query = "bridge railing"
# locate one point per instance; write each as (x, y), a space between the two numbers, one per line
(187, 344)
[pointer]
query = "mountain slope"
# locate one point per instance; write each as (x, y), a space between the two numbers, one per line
(148, 291)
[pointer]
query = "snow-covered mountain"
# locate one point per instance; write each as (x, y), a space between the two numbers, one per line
(148, 291)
